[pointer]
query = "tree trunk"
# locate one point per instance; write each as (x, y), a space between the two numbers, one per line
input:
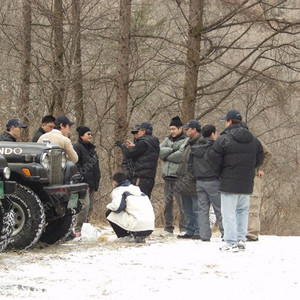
(78, 86)
(58, 63)
(123, 74)
(26, 63)
(192, 62)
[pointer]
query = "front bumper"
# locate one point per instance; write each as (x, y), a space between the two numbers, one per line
(65, 197)
(67, 189)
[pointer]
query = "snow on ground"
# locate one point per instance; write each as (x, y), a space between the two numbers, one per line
(162, 268)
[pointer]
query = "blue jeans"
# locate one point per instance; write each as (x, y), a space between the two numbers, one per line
(190, 204)
(235, 210)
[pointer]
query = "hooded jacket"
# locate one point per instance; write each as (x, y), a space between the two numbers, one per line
(199, 164)
(144, 156)
(235, 155)
(171, 150)
(186, 182)
(136, 214)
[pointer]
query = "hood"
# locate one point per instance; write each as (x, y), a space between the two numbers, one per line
(203, 144)
(239, 133)
(132, 189)
(205, 140)
(23, 151)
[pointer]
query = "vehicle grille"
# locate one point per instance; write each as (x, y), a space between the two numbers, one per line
(55, 173)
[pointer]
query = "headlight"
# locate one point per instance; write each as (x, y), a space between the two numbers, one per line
(6, 173)
(64, 160)
(45, 161)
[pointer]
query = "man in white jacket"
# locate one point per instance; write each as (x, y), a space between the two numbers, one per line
(130, 213)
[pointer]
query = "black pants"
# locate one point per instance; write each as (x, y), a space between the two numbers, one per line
(145, 184)
(121, 232)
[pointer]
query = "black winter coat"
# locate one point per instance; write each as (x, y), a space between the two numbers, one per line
(88, 163)
(199, 164)
(235, 155)
(7, 137)
(37, 134)
(144, 156)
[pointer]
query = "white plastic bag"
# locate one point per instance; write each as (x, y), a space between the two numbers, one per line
(89, 232)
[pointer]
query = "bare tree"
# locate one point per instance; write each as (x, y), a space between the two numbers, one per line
(58, 59)
(26, 66)
(190, 86)
(123, 71)
(78, 85)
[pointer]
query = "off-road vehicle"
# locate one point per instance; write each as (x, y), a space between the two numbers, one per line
(47, 193)
(6, 212)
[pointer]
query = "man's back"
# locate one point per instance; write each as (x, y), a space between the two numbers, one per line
(56, 137)
(199, 163)
(38, 134)
(236, 154)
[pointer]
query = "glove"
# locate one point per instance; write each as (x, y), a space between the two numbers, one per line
(119, 144)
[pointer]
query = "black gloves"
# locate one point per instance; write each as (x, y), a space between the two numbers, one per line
(119, 144)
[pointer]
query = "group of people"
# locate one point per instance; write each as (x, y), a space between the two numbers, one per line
(199, 169)
(83, 153)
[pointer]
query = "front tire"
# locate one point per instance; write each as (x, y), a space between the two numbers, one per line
(58, 230)
(6, 224)
(29, 218)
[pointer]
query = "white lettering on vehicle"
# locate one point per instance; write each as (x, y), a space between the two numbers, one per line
(9, 151)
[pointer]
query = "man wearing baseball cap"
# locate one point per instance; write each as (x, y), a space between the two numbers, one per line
(186, 183)
(235, 155)
(60, 136)
(144, 153)
(13, 130)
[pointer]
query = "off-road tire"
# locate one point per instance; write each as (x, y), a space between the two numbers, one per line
(29, 218)
(58, 230)
(6, 226)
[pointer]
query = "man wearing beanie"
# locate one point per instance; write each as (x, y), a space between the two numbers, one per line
(60, 136)
(171, 150)
(88, 166)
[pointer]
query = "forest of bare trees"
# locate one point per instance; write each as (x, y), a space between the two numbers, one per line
(112, 64)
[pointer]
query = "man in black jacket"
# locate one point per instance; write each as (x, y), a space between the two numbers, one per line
(13, 131)
(88, 166)
(144, 154)
(186, 183)
(207, 183)
(235, 155)
(48, 123)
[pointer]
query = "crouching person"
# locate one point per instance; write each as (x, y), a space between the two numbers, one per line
(130, 212)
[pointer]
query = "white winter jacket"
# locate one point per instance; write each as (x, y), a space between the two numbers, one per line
(138, 214)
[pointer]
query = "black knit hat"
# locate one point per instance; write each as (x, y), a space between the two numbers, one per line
(176, 122)
(82, 130)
